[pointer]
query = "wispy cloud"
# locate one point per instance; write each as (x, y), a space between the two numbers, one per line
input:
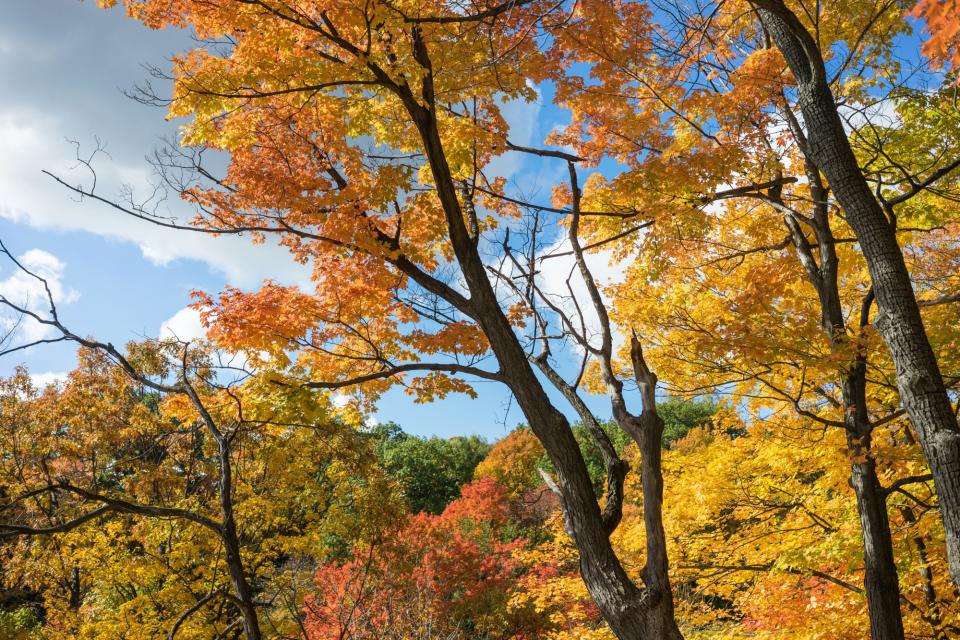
(26, 291)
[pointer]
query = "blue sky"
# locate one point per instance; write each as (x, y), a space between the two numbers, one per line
(66, 64)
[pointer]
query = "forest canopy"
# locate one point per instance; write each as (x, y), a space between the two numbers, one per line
(726, 309)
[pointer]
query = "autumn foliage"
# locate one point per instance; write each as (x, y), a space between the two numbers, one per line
(775, 187)
(444, 576)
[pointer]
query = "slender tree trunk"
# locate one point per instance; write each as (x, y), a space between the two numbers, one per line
(231, 544)
(661, 623)
(76, 593)
(933, 614)
(622, 604)
(880, 570)
(880, 581)
(648, 429)
(918, 375)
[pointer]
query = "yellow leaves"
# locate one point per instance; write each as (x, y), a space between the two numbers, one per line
(304, 485)
(512, 462)
(552, 587)
(325, 124)
(437, 385)
(774, 500)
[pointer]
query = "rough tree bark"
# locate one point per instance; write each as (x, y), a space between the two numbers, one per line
(919, 380)
(881, 582)
(623, 605)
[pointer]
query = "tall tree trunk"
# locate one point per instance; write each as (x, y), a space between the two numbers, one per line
(231, 545)
(933, 614)
(918, 375)
(881, 582)
(662, 623)
(622, 604)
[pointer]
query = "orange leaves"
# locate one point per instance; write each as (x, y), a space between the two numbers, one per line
(436, 574)
(460, 337)
(314, 105)
(269, 320)
(942, 19)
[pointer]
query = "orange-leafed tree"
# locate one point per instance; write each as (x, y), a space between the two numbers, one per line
(943, 26)
(361, 136)
(512, 462)
(438, 576)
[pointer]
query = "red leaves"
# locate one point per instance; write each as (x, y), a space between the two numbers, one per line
(450, 572)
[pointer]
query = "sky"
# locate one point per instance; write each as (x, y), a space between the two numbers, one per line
(68, 65)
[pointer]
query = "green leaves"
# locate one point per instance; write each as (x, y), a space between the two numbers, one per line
(430, 470)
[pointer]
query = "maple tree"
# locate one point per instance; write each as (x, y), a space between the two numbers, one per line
(940, 18)
(706, 138)
(512, 462)
(135, 502)
(439, 576)
(738, 160)
(368, 162)
(919, 377)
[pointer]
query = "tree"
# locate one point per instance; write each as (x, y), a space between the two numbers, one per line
(361, 135)
(725, 325)
(439, 576)
(726, 114)
(354, 139)
(150, 493)
(430, 470)
(919, 379)
(513, 462)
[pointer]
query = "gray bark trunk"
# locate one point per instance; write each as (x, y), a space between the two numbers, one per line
(881, 582)
(656, 572)
(899, 323)
(231, 545)
(623, 605)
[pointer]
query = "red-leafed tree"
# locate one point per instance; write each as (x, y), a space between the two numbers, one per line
(439, 576)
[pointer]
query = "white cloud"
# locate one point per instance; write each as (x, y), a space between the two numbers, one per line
(882, 113)
(184, 326)
(556, 269)
(43, 380)
(34, 141)
(27, 291)
(340, 399)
